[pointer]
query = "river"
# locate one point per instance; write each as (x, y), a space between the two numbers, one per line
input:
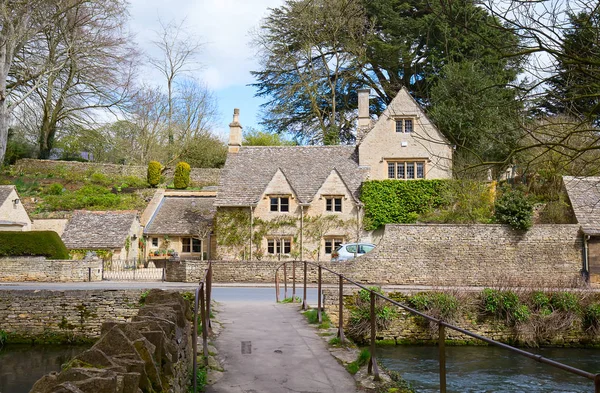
(22, 365)
(490, 369)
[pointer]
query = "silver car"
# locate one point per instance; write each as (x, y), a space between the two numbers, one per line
(346, 252)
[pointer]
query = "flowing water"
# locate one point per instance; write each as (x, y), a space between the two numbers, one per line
(491, 369)
(22, 365)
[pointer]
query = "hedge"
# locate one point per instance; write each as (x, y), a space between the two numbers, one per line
(182, 176)
(399, 202)
(34, 243)
(154, 170)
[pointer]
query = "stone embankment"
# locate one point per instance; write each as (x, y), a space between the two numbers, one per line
(152, 353)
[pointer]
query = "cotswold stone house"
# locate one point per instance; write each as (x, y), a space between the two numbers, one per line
(13, 216)
(112, 234)
(584, 194)
(182, 223)
(301, 202)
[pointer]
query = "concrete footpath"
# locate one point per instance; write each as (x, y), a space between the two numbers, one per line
(269, 347)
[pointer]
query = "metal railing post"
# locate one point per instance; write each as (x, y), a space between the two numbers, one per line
(597, 384)
(319, 297)
(373, 368)
(285, 281)
(277, 286)
(304, 305)
(293, 281)
(209, 295)
(89, 274)
(195, 342)
(442, 356)
(341, 312)
(204, 327)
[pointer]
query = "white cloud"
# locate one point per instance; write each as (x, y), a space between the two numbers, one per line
(224, 26)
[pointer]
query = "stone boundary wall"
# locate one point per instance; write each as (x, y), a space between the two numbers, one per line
(47, 270)
(151, 353)
(445, 255)
(410, 329)
(50, 316)
(206, 176)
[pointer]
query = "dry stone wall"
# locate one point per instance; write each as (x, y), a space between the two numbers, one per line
(55, 316)
(466, 255)
(46, 270)
(206, 176)
(152, 353)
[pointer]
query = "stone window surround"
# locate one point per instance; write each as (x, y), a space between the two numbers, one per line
(405, 161)
(334, 241)
(280, 198)
(279, 245)
(154, 241)
(331, 203)
(190, 245)
(402, 123)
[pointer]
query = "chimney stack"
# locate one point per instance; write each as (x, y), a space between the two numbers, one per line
(235, 132)
(364, 120)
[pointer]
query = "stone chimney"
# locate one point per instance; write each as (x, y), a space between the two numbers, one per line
(235, 132)
(364, 120)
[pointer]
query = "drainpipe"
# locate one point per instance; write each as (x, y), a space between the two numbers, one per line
(251, 228)
(301, 232)
(586, 261)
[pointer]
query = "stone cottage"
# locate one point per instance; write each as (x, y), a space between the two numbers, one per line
(301, 202)
(13, 216)
(584, 194)
(182, 223)
(112, 234)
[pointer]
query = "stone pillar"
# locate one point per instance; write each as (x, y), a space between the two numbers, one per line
(235, 132)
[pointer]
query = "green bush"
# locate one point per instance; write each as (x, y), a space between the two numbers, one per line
(397, 202)
(437, 304)
(504, 305)
(54, 189)
(100, 178)
(87, 197)
(359, 324)
(591, 317)
(34, 243)
(565, 301)
(541, 303)
(154, 170)
(515, 209)
(182, 175)
(464, 202)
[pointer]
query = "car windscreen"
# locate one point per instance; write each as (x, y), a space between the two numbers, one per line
(351, 249)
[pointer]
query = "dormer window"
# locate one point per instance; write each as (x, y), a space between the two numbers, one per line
(404, 125)
(280, 204)
(333, 204)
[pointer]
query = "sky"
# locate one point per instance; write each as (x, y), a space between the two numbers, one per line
(227, 57)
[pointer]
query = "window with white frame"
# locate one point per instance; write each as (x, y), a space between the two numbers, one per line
(333, 204)
(406, 170)
(404, 125)
(280, 204)
(154, 242)
(189, 245)
(332, 243)
(279, 246)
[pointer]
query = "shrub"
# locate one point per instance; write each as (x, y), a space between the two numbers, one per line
(54, 189)
(182, 175)
(464, 202)
(154, 170)
(591, 317)
(565, 301)
(359, 325)
(100, 178)
(34, 243)
(392, 201)
(87, 197)
(437, 304)
(504, 305)
(515, 209)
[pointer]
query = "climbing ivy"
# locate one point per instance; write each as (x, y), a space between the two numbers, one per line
(399, 202)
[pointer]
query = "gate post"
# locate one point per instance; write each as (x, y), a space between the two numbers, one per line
(319, 296)
(293, 281)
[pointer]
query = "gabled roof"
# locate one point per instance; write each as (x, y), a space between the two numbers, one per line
(181, 215)
(248, 172)
(584, 193)
(98, 230)
(5, 192)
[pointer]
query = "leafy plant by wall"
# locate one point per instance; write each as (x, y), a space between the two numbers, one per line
(359, 325)
(398, 202)
(154, 169)
(515, 209)
(33, 243)
(182, 175)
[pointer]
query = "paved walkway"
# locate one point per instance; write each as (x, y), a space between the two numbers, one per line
(268, 347)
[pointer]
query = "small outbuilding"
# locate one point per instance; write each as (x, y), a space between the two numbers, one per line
(13, 216)
(111, 234)
(584, 194)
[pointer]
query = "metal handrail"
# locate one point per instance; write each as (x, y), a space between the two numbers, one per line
(203, 296)
(372, 367)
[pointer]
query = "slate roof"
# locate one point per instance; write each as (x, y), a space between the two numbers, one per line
(584, 193)
(98, 229)
(181, 215)
(248, 172)
(5, 192)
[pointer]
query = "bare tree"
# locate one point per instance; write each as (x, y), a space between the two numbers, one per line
(179, 56)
